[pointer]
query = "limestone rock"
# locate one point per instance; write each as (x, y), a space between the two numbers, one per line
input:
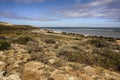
(66, 77)
(31, 70)
(52, 61)
(13, 68)
(10, 77)
(1, 75)
(2, 65)
(14, 77)
(23, 57)
(2, 56)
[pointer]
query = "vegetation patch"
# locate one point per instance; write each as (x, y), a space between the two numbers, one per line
(23, 40)
(4, 45)
(50, 41)
(98, 43)
(107, 59)
(72, 56)
(33, 46)
(111, 60)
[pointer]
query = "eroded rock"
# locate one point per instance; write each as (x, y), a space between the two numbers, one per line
(2, 66)
(31, 70)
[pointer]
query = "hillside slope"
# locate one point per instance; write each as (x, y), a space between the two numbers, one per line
(8, 26)
(40, 54)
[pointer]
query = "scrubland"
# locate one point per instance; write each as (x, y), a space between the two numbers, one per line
(28, 53)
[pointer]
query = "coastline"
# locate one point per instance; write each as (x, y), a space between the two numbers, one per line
(78, 34)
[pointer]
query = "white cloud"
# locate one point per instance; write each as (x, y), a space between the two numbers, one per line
(107, 9)
(15, 16)
(24, 1)
(28, 1)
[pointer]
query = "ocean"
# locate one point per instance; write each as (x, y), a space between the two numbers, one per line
(105, 32)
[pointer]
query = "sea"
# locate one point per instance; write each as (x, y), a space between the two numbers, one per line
(90, 31)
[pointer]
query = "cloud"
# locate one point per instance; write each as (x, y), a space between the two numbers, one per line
(24, 1)
(106, 9)
(28, 1)
(14, 16)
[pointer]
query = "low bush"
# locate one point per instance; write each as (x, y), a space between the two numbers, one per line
(111, 59)
(2, 38)
(72, 56)
(107, 59)
(33, 46)
(4, 45)
(50, 41)
(18, 33)
(39, 56)
(98, 43)
(23, 40)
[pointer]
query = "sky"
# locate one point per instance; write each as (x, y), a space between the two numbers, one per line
(61, 13)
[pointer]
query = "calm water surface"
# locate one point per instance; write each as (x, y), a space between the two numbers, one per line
(106, 32)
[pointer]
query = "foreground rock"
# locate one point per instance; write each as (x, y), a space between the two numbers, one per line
(31, 70)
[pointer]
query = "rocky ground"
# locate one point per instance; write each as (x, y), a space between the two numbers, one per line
(52, 56)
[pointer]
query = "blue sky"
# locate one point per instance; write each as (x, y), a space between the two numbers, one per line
(61, 13)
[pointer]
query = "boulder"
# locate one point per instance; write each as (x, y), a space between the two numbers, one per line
(32, 70)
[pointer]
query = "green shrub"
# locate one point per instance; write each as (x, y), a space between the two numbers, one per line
(72, 56)
(33, 46)
(4, 45)
(23, 40)
(112, 59)
(108, 59)
(18, 33)
(98, 43)
(50, 41)
(39, 56)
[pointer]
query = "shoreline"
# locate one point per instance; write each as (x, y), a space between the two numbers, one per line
(78, 34)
